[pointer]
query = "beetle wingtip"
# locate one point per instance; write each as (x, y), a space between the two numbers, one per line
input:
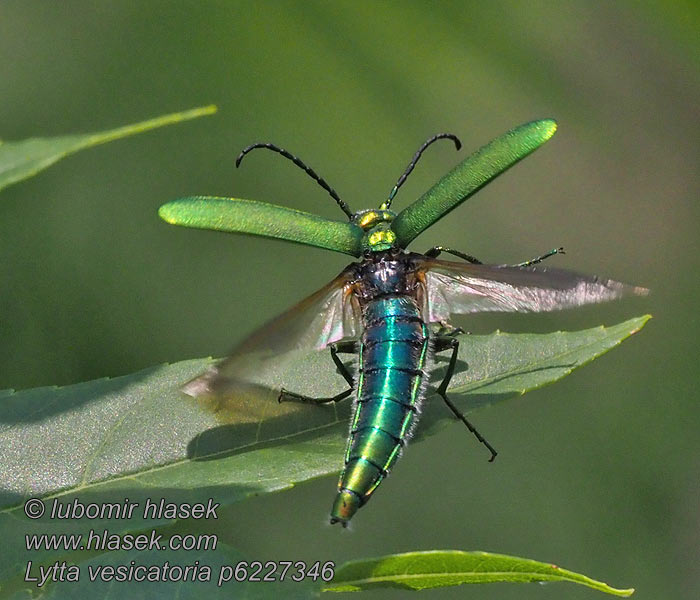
(172, 212)
(201, 385)
(165, 212)
(550, 126)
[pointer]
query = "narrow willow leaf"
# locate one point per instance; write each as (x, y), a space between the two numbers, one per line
(138, 436)
(20, 160)
(442, 568)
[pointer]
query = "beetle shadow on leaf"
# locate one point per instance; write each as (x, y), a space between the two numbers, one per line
(251, 418)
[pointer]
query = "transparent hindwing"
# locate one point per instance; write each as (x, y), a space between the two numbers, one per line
(327, 316)
(459, 288)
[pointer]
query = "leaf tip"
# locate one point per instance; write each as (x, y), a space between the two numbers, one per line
(640, 322)
(199, 111)
(643, 320)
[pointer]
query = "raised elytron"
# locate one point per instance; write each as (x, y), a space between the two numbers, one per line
(391, 307)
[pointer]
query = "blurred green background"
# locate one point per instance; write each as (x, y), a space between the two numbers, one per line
(599, 473)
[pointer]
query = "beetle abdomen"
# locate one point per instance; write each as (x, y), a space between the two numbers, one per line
(393, 353)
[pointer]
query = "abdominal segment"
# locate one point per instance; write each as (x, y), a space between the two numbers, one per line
(393, 353)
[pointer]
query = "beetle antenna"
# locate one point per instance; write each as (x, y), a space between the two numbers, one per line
(414, 160)
(299, 163)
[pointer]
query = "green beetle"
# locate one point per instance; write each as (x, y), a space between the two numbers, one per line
(391, 307)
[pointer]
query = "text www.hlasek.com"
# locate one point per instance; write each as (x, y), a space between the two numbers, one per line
(104, 540)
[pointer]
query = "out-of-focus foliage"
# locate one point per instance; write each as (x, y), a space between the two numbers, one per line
(22, 159)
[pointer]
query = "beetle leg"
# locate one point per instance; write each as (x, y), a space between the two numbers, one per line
(446, 329)
(342, 347)
(286, 396)
(435, 251)
(446, 343)
(539, 259)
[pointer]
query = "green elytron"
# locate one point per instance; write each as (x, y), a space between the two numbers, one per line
(391, 307)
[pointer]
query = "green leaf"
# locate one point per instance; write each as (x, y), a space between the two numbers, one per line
(138, 436)
(20, 160)
(442, 568)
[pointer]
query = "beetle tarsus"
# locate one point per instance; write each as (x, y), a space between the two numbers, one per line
(344, 347)
(539, 259)
(448, 330)
(286, 396)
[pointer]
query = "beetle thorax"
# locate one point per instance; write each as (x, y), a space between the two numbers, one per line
(385, 273)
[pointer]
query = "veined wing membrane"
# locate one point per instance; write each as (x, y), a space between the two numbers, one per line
(459, 288)
(329, 315)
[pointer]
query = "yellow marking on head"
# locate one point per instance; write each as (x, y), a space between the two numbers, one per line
(381, 237)
(371, 218)
(367, 220)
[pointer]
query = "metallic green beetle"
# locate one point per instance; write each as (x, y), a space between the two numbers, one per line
(391, 307)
